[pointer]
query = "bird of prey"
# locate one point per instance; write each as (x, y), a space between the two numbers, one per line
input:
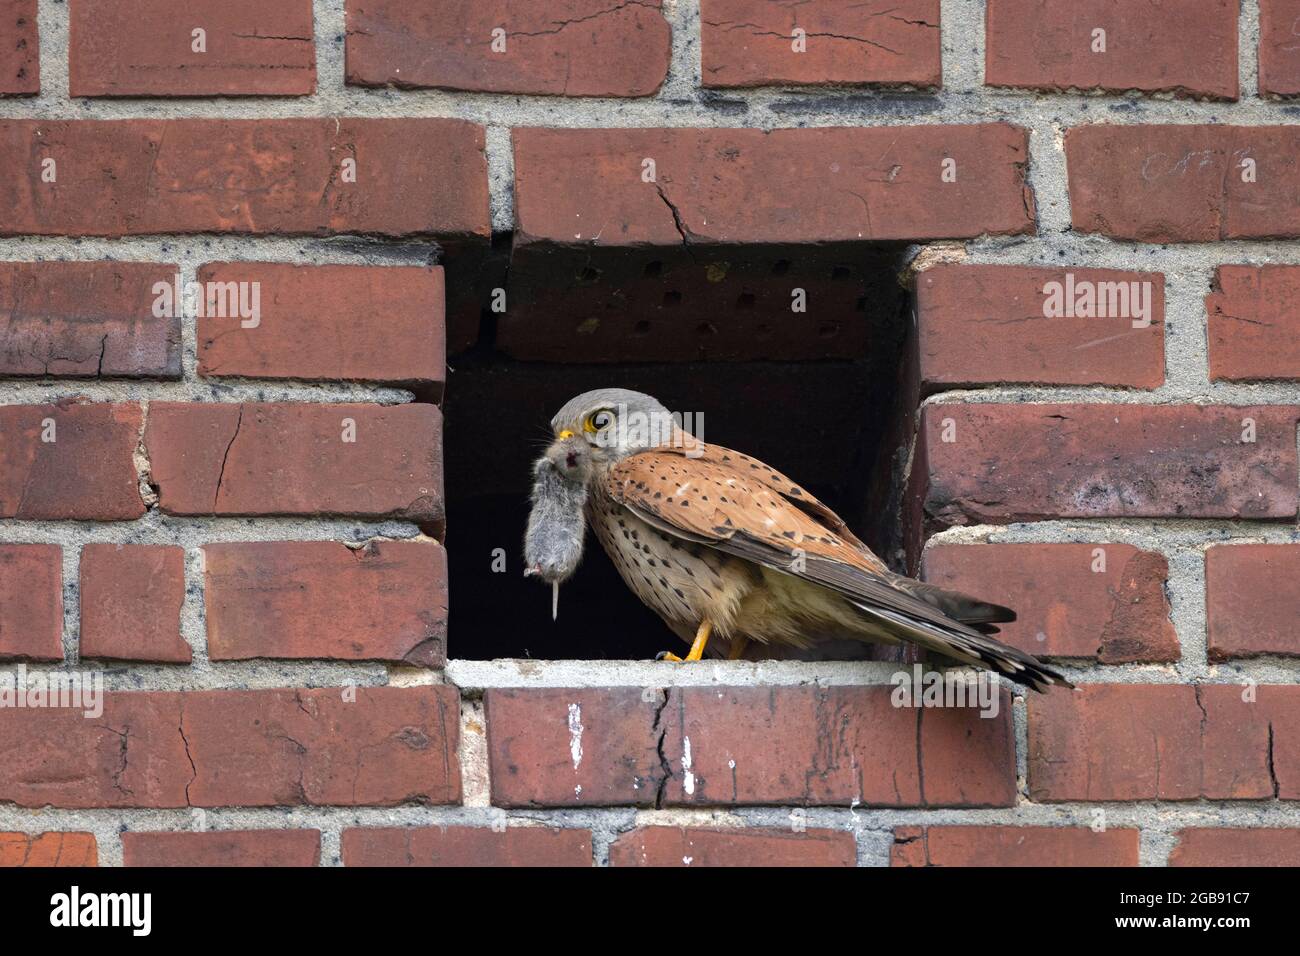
(724, 547)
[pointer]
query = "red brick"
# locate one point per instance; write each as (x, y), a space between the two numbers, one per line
(131, 597)
(1279, 54)
(1254, 323)
(701, 846)
(31, 602)
(86, 473)
(340, 746)
(86, 320)
(806, 746)
(350, 323)
(222, 848)
(1252, 598)
(315, 748)
(1032, 462)
(1165, 742)
(1236, 846)
(48, 849)
(1184, 183)
(290, 459)
(465, 846)
(834, 745)
(1013, 846)
(131, 755)
(1116, 614)
(583, 187)
(583, 747)
(414, 176)
(20, 72)
(564, 47)
(1186, 47)
(322, 599)
(978, 325)
(751, 42)
(145, 48)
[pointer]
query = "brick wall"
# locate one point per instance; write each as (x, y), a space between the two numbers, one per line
(239, 520)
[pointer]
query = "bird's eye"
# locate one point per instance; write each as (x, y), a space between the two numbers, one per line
(598, 421)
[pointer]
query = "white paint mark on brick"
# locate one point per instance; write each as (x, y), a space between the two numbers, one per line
(575, 735)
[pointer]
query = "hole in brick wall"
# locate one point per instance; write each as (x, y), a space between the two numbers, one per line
(710, 332)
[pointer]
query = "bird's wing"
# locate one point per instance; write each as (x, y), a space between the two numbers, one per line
(767, 476)
(960, 607)
(730, 505)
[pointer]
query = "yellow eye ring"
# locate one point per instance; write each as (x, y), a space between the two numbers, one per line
(591, 426)
(565, 435)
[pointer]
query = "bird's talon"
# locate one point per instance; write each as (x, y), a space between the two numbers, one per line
(668, 656)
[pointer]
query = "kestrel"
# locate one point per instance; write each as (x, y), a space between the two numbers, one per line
(722, 546)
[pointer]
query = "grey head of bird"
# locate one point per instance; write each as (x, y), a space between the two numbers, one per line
(616, 423)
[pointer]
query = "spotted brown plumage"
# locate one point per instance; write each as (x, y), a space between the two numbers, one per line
(728, 550)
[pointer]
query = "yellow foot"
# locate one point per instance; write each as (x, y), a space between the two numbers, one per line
(738, 648)
(701, 641)
(697, 647)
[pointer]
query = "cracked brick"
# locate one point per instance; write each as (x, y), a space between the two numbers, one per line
(838, 746)
(318, 748)
(583, 188)
(714, 746)
(293, 459)
(537, 758)
(86, 320)
(48, 849)
(1165, 742)
(562, 47)
(746, 43)
(345, 746)
(1254, 323)
(143, 48)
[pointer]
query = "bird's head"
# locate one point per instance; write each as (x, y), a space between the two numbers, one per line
(614, 423)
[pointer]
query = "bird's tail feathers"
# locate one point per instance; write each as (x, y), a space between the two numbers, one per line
(975, 649)
(980, 615)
